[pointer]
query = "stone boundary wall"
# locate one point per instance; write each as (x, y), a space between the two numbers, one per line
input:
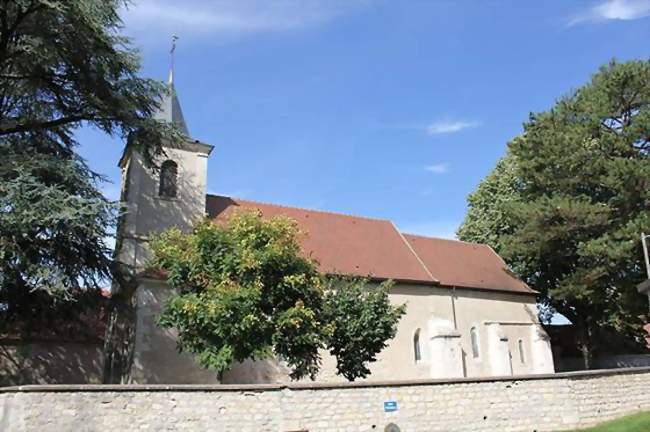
(525, 403)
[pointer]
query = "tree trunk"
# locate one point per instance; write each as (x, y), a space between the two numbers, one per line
(587, 346)
(119, 342)
(587, 356)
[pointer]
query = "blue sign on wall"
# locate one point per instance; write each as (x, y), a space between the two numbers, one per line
(390, 406)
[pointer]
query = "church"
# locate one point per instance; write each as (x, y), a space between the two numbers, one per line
(467, 315)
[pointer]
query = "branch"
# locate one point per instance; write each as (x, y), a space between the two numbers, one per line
(39, 125)
(7, 32)
(23, 77)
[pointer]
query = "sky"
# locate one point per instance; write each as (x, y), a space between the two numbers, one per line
(392, 109)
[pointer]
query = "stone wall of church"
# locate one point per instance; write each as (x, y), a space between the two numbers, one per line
(147, 212)
(533, 403)
(156, 359)
(442, 317)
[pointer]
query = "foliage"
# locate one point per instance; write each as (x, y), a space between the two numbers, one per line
(362, 321)
(53, 226)
(245, 291)
(80, 316)
(487, 220)
(62, 65)
(63, 62)
(582, 198)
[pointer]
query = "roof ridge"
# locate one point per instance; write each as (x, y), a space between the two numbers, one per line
(302, 208)
(445, 239)
(410, 247)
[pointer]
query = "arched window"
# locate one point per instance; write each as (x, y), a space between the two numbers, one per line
(473, 334)
(168, 179)
(521, 351)
(416, 346)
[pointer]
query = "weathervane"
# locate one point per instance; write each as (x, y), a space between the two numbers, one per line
(171, 55)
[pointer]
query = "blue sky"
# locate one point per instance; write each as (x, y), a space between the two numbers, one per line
(393, 109)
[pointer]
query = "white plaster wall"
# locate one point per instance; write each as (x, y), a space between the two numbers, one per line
(156, 359)
(446, 352)
(148, 213)
(397, 360)
(502, 319)
(423, 304)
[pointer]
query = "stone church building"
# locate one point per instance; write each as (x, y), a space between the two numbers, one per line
(467, 314)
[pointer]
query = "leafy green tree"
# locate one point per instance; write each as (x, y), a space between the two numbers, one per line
(582, 198)
(361, 322)
(63, 64)
(245, 292)
(487, 220)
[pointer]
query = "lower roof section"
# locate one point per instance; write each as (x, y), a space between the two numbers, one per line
(463, 264)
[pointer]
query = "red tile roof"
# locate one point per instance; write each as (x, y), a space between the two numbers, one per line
(343, 244)
(463, 264)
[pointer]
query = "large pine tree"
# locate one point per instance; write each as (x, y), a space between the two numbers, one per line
(569, 216)
(63, 64)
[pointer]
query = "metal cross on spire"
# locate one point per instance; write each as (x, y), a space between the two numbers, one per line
(171, 55)
(170, 108)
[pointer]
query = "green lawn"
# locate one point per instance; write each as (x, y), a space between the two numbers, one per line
(634, 423)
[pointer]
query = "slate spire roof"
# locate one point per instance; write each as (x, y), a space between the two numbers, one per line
(170, 107)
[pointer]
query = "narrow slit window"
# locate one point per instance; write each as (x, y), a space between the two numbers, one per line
(416, 346)
(168, 187)
(522, 358)
(473, 333)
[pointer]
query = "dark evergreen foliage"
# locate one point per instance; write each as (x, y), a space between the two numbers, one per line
(63, 64)
(570, 211)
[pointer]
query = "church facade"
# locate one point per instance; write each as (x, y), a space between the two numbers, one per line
(467, 314)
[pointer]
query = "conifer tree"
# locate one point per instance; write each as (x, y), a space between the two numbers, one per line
(571, 224)
(63, 64)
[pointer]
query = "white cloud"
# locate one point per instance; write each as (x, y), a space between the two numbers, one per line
(614, 10)
(439, 229)
(440, 168)
(450, 126)
(199, 17)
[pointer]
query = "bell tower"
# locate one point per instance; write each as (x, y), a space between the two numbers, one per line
(170, 195)
(173, 194)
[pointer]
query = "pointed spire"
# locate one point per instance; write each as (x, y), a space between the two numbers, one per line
(170, 81)
(170, 107)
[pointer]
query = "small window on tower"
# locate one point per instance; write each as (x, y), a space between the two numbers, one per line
(168, 179)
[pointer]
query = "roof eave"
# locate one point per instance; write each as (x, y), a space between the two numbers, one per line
(439, 284)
